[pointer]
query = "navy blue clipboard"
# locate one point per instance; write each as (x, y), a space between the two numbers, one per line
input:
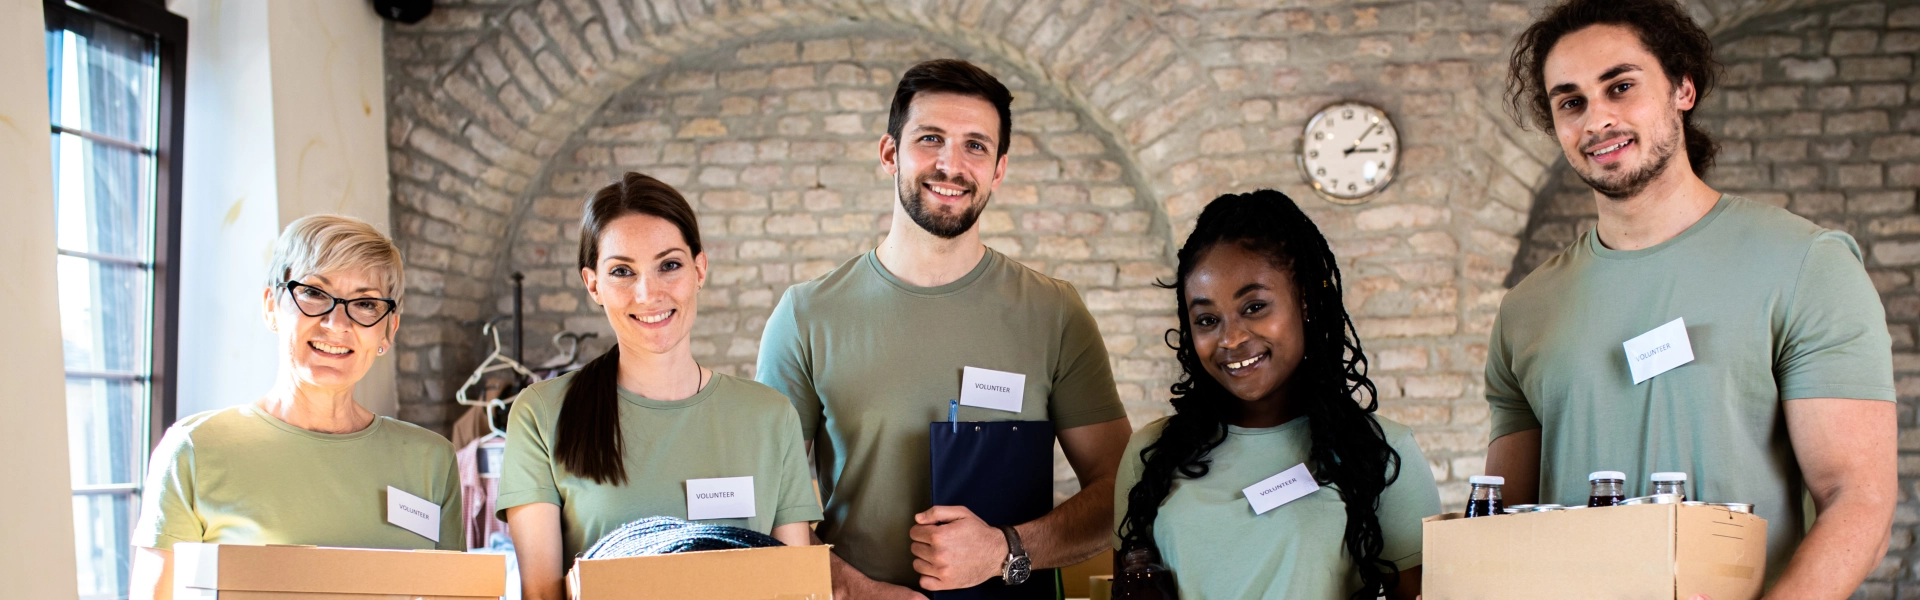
(1003, 472)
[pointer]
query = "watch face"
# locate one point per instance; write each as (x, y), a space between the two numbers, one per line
(1018, 569)
(1348, 151)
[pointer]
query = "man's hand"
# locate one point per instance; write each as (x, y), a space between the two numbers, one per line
(859, 587)
(953, 549)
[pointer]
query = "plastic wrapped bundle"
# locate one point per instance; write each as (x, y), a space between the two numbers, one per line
(668, 535)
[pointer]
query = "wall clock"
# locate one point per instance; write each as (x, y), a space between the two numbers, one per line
(1348, 152)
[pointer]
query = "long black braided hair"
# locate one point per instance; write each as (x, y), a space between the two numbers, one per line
(1349, 450)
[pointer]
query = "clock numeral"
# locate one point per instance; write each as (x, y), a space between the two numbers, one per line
(1386, 147)
(1321, 172)
(1350, 187)
(1313, 154)
(1319, 135)
(1346, 114)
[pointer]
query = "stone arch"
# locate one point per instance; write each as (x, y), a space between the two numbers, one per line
(472, 134)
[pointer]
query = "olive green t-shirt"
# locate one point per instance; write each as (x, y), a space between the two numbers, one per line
(1776, 309)
(870, 361)
(1217, 547)
(241, 476)
(732, 428)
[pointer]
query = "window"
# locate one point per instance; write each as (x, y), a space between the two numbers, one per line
(114, 90)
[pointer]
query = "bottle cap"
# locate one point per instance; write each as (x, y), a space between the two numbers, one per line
(1599, 475)
(1670, 476)
(1487, 480)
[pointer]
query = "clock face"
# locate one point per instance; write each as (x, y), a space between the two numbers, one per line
(1349, 151)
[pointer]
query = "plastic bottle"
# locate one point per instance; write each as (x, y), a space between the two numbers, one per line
(1142, 577)
(1609, 488)
(1670, 483)
(1485, 500)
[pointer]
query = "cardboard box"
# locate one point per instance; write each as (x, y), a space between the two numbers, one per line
(240, 572)
(778, 573)
(1643, 551)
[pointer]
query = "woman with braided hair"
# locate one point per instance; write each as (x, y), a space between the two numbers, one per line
(1274, 395)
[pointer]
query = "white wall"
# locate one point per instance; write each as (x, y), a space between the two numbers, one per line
(285, 114)
(36, 510)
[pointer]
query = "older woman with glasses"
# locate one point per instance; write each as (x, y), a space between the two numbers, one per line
(305, 463)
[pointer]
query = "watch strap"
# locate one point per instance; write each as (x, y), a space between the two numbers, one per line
(1013, 541)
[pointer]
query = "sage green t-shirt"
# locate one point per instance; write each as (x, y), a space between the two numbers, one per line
(870, 361)
(1218, 548)
(1776, 309)
(732, 428)
(241, 476)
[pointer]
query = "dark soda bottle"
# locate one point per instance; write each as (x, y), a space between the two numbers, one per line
(1142, 577)
(1608, 488)
(1485, 500)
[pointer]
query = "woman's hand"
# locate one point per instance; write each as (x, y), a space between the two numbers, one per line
(537, 545)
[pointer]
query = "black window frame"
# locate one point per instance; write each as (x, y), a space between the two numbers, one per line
(170, 34)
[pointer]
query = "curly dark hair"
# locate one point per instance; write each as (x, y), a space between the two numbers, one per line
(1665, 30)
(1349, 449)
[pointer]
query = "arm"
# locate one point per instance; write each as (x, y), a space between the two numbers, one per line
(152, 574)
(536, 542)
(1516, 456)
(850, 584)
(1848, 457)
(954, 549)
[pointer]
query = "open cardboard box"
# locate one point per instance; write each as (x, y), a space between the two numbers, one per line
(241, 572)
(777, 573)
(1642, 551)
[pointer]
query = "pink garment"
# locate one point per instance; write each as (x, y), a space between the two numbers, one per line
(480, 492)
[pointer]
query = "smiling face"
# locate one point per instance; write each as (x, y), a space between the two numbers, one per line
(648, 281)
(945, 165)
(1615, 113)
(1246, 322)
(329, 351)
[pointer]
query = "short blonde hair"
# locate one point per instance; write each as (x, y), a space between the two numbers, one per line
(323, 243)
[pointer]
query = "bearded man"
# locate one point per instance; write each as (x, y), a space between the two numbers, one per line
(871, 353)
(1689, 330)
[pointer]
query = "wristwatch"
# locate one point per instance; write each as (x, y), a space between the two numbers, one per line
(1017, 568)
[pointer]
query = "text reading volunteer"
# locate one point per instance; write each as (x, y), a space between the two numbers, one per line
(1689, 330)
(871, 353)
(644, 430)
(305, 464)
(1273, 479)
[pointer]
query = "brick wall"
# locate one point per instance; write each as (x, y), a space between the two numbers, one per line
(1131, 116)
(1819, 113)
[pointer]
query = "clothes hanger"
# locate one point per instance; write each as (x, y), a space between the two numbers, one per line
(497, 361)
(569, 359)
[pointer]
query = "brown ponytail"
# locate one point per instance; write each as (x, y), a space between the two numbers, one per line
(589, 443)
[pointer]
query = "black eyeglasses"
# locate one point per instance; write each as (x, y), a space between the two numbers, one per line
(313, 302)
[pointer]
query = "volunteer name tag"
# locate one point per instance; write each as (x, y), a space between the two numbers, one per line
(413, 513)
(1658, 351)
(1280, 489)
(720, 498)
(987, 388)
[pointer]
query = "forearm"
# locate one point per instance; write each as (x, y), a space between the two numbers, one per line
(1845, 544)
(1078, 529)
(152, 574)
(1516, 456)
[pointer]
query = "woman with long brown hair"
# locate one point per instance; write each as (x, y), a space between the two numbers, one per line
(644, 430)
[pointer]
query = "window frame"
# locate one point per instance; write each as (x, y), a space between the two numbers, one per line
(170, 35)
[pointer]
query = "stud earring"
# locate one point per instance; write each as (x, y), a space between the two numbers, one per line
(383, 350)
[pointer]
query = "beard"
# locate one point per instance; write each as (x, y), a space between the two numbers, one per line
(942, 225)
(1620, 186)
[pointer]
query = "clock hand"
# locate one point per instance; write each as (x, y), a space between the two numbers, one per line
(1350, 151)
(1363, 136)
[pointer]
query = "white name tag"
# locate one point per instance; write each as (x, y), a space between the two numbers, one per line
(719, 498)
(413, 513)
(1280, 489)
(1658, 351)
(987, 388)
